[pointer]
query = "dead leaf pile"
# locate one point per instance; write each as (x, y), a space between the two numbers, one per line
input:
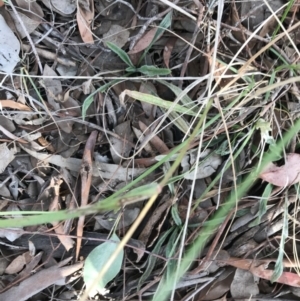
(105, 105)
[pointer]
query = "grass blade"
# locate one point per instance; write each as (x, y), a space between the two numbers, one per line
(157, 101)
(284, 235)
(153, 71)
(121, 54)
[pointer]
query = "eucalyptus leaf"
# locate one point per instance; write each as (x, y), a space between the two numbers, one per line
(94, 263)
(9, 48)
(164, 24)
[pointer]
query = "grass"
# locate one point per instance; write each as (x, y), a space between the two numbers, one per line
(248, 116)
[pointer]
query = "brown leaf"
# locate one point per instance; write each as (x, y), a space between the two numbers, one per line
(268, 27)
(86, 172)
(155, 141)
(84, 19)
(13, 105)
(287, 278)
(120, 149)
(18, 263)
(168, 50)
(38, 282)
(54, 206)
(144, 41)
(219, 72)
(284, 175)
(295, 6)
(259, 269)
(158, 217)
(149, 109)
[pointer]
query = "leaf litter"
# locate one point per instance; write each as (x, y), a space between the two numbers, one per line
(105, 105)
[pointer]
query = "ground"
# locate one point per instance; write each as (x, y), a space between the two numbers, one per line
(149, 150)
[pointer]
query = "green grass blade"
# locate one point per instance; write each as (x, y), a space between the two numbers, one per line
(262, 205)
(121, 54)
(286, 11)
(88, 101)
(179, 121)
(284, 235)
(213, 224)
(186, 100)
(157, 101)
(153, 71)
(152, 259)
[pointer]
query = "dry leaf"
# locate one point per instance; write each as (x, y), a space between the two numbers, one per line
(54, 206)
(100, 169)
(120, 149)
(155, 141)
(9, 48)
(29, 23)
(243, 285)
(11, 234)
(168, 50)
(52, 86)
(84, 20)
(6, 156)
(149, 109)
(285, 175)
(117, 35)
(38, 282)
(65, 7)
(13, 105)
(18, 263)
(259, 269)
(31, 9)
(144, 41)
(218, 72)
